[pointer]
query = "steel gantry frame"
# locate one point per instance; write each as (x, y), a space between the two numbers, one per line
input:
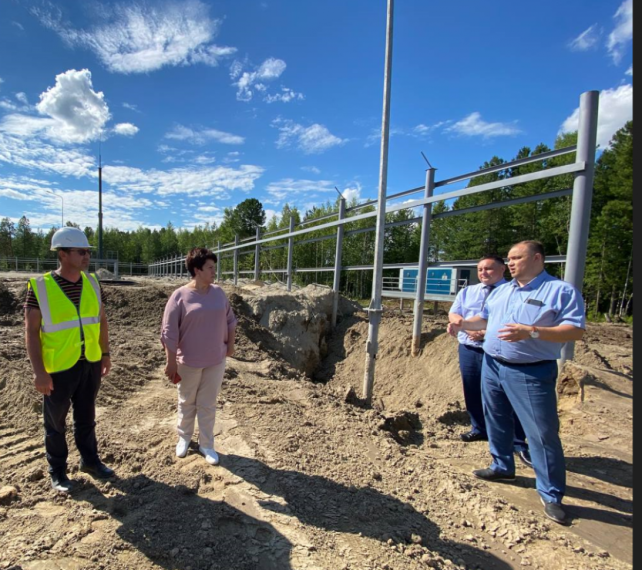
(582, 190)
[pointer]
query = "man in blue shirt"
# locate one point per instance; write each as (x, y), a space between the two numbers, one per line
(526, 321)
(468, 303)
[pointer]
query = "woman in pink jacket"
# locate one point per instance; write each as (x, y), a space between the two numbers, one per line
(198, 333)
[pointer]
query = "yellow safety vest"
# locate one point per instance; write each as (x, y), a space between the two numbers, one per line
(63, 327)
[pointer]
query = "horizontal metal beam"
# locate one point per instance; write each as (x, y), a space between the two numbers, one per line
(513, 202)
(505, 165)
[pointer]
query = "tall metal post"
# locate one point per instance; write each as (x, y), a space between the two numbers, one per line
(582, 200)
(290, 254)
(100, 208)
(423, 263)
(218, 264)
(375, 309)
(236, 260)
(336, 285)
(257, 252)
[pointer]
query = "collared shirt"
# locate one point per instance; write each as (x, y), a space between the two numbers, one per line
(468, 303)
(544, 302)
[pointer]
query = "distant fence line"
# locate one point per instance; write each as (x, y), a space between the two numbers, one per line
(42, 265)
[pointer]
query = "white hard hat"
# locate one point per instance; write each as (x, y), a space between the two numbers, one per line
(69, 237)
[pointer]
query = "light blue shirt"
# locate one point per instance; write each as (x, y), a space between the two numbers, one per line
(544, 302)
(468, 303)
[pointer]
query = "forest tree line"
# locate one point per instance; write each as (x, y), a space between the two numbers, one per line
(608, 282)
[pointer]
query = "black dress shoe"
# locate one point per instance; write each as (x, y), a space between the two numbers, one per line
(555, 512)
(492, 475)
(60, 482)
(97, 470)
(473, 436)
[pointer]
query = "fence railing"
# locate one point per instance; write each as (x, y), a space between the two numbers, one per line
(42, 265)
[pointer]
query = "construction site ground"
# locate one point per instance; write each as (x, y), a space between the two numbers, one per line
(309, 478)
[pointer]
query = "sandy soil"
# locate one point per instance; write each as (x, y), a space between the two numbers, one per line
(308, 479)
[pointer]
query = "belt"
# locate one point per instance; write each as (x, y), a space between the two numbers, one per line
(474, 348)
(507, 363)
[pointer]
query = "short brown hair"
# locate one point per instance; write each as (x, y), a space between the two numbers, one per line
(534, 247)
(197, 257)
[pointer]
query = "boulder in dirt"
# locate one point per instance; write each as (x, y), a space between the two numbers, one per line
(8, 494)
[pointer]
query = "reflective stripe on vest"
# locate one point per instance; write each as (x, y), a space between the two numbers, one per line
(63, 325)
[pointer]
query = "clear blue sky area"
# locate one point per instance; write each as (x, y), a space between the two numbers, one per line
(201, 104)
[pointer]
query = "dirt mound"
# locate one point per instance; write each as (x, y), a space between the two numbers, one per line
(8, 301)
(299, 321)
(430, 382)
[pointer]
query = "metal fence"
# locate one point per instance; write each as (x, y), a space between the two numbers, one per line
(582, 169)
(42, 265)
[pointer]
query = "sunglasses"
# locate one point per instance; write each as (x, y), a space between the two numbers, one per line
(82, 252)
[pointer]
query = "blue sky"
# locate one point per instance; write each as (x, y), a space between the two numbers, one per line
(200, 104)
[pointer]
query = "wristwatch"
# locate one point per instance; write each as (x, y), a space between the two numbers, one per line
(534, 333)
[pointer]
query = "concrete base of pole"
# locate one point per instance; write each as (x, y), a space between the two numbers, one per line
(416, 346)
(368, 379)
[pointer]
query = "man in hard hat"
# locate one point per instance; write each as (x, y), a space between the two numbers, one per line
(68, 345)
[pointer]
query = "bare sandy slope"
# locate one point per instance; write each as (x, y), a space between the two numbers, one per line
(308, 480)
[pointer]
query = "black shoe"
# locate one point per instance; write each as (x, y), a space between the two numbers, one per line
(554, 511)
(492, 475)
(525, 457)
(473, 436)
(97, 470)
(60, 482)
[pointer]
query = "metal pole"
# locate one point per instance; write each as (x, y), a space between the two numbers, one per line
(290, 252)
(236, 260)
(337, 264)
(257, 251)
(423, 263)
(100, 208)
(582, 199)
(375, 310)
(218, 264)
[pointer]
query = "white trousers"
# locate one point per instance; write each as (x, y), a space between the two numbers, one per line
(197, 394)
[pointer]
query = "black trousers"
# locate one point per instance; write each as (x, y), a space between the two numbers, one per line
(78, 386)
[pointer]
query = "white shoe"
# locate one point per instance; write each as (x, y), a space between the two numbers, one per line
(210, 455)
(182, 446)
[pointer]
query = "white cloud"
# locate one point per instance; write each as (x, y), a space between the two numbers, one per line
(312, 169)
(77, 113)
(143, 37)
(616, 108)
(126, 129)
(473, 125)
(629, 71)
(623, 31)
(80, 206)
(131, 107)
(22, 150)
(285, 96)
(587, 40)
(248, 81)
(352, 192)
(22, 97)
(202, 136)
(289, 188)
(192, 180)
(314, 139)
(18, 25)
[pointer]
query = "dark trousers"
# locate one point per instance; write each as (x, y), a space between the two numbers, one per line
(78, 386)
(470, 365)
